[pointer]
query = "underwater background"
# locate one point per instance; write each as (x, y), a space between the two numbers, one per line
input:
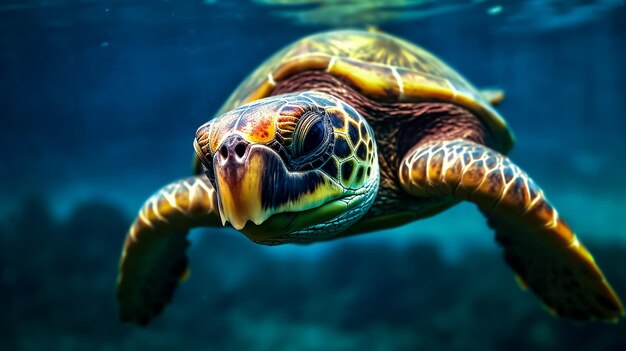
(99, 102)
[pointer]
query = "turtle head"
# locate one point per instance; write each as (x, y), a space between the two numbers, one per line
(295, 167)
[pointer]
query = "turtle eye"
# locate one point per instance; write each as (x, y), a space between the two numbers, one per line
(310, 135)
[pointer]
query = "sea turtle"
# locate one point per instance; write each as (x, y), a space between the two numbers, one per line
(346, 132)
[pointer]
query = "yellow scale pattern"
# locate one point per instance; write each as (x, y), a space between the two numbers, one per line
(538, 244)
(175, 205)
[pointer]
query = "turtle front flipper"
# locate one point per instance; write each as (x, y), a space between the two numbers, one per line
(538, 245)
(154, 259)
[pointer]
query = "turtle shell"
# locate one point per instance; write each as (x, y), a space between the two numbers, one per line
(381, 66)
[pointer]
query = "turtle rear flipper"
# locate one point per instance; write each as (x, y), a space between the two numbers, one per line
(538, 244)
(154, 258)
(494, 96)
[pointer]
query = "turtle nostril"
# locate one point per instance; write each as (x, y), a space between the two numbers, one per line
(224, 151)
(240, 149)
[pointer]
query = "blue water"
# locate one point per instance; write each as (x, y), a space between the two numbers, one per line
(99, 101)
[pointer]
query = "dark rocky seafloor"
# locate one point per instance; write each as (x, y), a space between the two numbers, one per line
(58, 278)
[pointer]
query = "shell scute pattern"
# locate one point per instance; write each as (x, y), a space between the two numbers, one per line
(374, 55)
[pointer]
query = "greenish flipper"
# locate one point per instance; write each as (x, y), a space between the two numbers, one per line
(154, 258)
(538, 244)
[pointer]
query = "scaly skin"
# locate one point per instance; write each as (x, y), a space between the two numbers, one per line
(538, 244)
(153, 259)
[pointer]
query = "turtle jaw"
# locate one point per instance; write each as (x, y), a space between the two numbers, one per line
(254, 185)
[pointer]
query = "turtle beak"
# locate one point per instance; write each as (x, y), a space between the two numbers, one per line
(253, 184)
(239, 174)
